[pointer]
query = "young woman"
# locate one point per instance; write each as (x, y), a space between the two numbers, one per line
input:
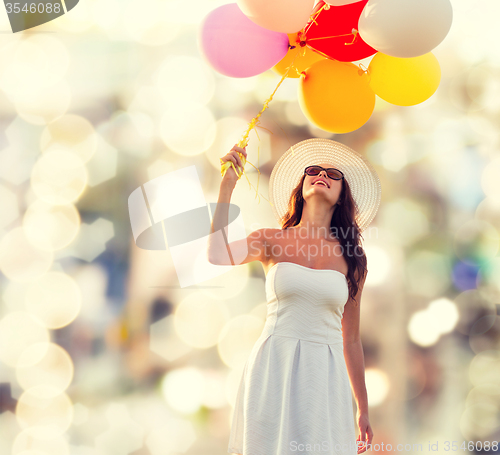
(295, 392)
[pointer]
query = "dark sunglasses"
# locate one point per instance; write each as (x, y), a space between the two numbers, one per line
(331, 172)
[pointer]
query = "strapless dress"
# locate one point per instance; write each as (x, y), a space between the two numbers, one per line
(295, 396)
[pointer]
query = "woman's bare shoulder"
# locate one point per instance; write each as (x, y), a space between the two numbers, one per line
(266, 238)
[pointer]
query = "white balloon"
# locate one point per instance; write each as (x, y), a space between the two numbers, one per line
(405, 28)
(285, 16)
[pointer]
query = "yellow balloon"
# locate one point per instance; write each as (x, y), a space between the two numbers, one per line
(304, 58)
(404, 81)
(336, 96)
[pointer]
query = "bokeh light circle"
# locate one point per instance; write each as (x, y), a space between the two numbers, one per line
(20, 260)
(476, 242)
(53, 444)
(198, 320)
(488, 280)
(43, 409)
(485, 368)
(472, 306)
(41, 107)
(423, 329)
(378, 386)
(19, 331)
(428, 273)
(183, 389)
(51, 227)
(485, 334)
(238, 338)
(55, 299)
(182, 79)
(38, 61)
(485, 393)
(59, 177)
(490, 181)
(489, 210)
(146, 21)
(178, 123)
(406, 219)
(73, 133)
(480, 421)
(9, 204)
(52, 367)
(445, 312)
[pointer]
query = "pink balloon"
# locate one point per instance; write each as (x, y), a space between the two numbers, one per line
(235, 46)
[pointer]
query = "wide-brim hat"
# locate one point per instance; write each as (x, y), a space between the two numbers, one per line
(362, 178)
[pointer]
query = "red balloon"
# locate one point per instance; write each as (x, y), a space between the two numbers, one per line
(323, 34)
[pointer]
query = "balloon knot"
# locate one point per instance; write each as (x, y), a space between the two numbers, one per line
(302, 43)
(291, 47)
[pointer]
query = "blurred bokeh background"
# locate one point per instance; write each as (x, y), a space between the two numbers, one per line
(102, 352)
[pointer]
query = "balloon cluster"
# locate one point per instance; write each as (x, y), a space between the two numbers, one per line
(318, 43)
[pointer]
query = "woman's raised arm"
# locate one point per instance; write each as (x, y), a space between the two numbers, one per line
(220, 252)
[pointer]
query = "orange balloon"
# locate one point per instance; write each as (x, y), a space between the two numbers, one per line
(336, 96)
(304, 58)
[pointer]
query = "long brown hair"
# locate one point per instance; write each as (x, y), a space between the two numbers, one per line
(343, 225)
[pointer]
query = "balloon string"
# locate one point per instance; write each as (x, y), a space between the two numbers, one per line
(244, 140)
(302, 53)
(363, 68)
(354, 33)
(326, 37)
(312, 18)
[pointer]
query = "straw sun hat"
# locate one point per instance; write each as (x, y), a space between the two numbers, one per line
(359, 173)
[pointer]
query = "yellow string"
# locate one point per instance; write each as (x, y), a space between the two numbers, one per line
(364, 70)
(244, 140)
(354, 33)
(326, 37)
(312, 19)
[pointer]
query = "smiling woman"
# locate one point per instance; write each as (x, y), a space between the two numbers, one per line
(333, 211)
(295, 391)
